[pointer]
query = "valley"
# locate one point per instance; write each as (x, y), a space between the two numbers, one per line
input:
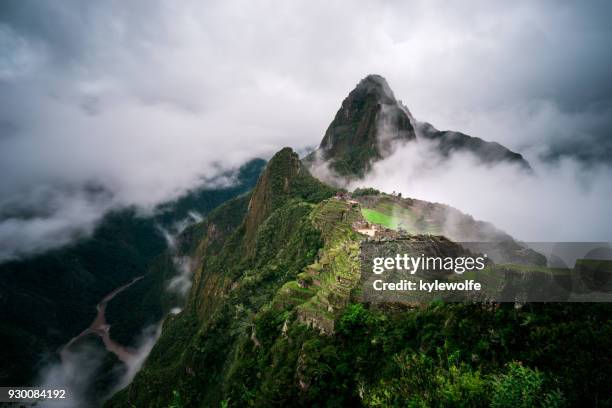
(101, 328)
(48, 299)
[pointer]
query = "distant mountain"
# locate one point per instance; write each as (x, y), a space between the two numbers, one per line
(371, 123)
(449, 142)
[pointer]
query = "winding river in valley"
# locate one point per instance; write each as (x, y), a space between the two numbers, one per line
(101, 328)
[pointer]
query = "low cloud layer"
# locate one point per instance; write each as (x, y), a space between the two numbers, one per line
(561, 201)
(48, 216)
(142, 99)
(80, 371)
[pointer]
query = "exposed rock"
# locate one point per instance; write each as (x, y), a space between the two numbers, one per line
(365, 128)
(371, 124)
(254, 338)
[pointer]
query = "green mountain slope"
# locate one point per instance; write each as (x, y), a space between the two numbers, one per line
(276, 318)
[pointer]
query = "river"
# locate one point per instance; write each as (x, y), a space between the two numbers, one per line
(101, 328)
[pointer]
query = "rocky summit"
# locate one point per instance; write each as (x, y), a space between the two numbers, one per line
(365, 128)
(371, 123)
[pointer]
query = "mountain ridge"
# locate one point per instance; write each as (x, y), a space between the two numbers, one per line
(371, 124)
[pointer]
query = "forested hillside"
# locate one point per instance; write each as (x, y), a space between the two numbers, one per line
(49, 298)
(276, 318)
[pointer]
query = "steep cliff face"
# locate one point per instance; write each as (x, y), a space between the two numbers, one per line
(365, 128)
(276, 184)
(205, 239)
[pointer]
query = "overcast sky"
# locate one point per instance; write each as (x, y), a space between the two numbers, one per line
(112, 103)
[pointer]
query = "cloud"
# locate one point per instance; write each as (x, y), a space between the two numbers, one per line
(145, 343)
(80, 369)
(558, 202)
(145, 98)
(184, 266)
(48, 217)
(75, 374)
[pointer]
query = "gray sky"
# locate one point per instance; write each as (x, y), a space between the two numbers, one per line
(112, 103)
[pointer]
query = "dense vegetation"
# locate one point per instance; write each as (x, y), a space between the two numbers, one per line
(276, 320)
(246, 270)
(442, 355)
(358, 192)
(49, 298)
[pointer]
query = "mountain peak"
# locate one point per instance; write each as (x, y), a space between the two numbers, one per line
(371, 123)
(377, 85)
(283, 178)
(365, 128)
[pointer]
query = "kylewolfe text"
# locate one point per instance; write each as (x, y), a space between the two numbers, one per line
(412, 265)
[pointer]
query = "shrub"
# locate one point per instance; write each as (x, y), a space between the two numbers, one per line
(523, 387)
(365, 192)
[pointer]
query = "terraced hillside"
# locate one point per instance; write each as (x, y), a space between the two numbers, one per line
(275, 318)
